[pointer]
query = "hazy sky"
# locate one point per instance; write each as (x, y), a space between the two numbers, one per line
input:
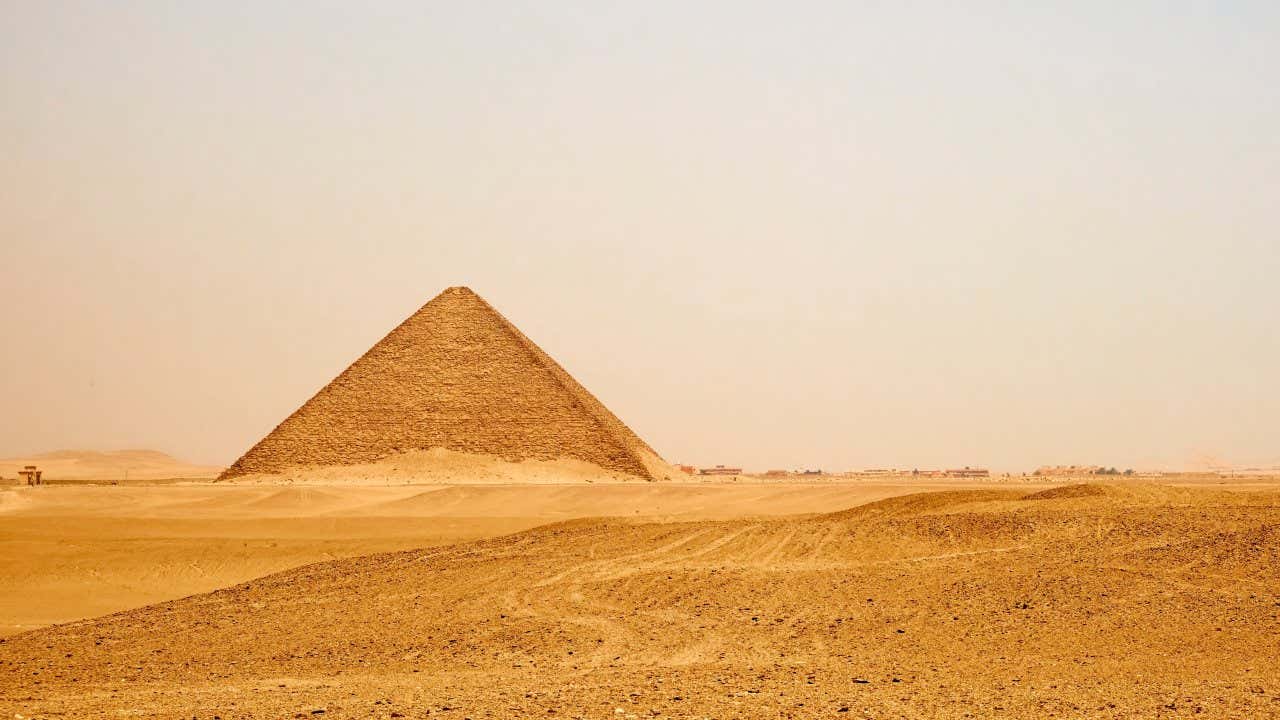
(837, 235)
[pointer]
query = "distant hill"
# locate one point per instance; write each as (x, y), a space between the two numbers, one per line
(109, 465)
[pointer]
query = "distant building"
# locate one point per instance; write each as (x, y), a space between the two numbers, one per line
(967, 471)
(687, 469)
(1052, 470)
(1249, 472)
(720, 470)
(32, 474)
(777, 473)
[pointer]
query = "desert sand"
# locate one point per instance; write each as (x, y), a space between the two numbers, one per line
(84, 550)
(708, 601)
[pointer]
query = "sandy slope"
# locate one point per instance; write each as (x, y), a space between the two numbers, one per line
(1090, 601)
(79, 551)
(113, 465)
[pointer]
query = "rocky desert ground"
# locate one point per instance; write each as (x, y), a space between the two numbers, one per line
(722, 601)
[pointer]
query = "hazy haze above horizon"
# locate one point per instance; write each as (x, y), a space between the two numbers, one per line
(832, 235)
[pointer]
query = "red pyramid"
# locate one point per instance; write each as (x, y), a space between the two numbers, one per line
(456, 375)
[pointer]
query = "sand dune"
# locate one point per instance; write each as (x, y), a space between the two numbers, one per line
(77, 551)
(1131, 602)
(213, 501)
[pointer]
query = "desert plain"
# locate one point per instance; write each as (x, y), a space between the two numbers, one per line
(735, 598)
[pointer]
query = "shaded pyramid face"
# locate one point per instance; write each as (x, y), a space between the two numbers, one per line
(456, 375)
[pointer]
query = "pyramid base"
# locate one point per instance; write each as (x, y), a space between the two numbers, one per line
(447, 467)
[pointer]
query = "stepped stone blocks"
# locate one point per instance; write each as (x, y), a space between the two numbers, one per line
(455, 375)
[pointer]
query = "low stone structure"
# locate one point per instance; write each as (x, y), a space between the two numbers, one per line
(33, 475)
(720, 470)
(968, 472)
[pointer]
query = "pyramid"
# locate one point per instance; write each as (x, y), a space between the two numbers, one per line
(456, 375)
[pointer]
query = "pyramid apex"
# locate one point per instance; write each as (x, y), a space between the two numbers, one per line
(457, 291)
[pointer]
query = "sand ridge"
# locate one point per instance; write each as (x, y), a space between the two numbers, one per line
(77, 551)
